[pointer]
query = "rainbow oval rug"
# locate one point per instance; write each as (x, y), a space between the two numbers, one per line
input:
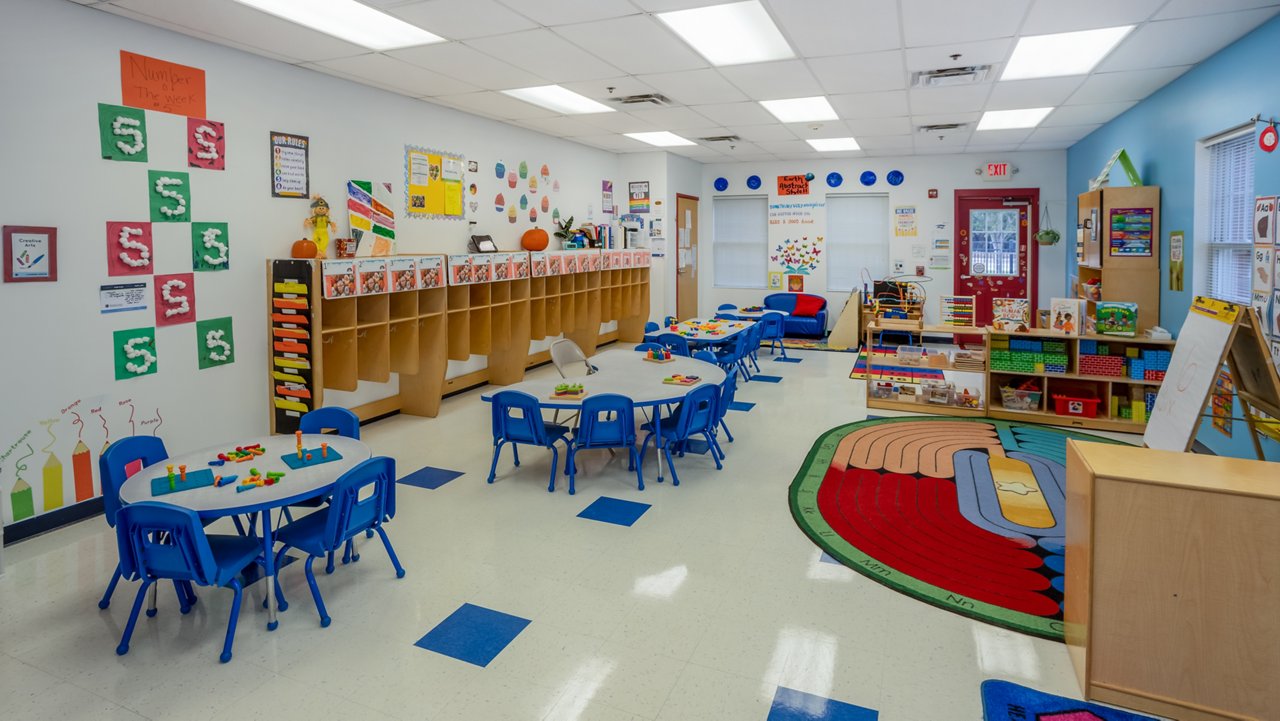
(966, 514)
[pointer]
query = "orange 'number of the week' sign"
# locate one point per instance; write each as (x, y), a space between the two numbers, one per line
(160, 85)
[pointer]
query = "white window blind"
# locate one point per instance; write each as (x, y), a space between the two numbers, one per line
(1230, 249)
(857, 239)
(741, 242)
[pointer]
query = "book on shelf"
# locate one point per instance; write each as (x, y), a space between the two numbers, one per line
(1064, 315)
(1116, 318)
(1011, 314)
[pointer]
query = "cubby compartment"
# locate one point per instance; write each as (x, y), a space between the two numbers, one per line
(373, 353)
(372, 310)
(459, 297)
(338, 351)
(552, 322)
(481, 321)
(338, 313)
(480, 295)
(404, 345)
(404, 305)
(499, 292)
(459, 333)
(432, 301)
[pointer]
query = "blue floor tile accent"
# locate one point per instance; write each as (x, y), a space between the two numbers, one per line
(826, 558)
(430, 477)
(791, 705)
(614, 510)
(787, 360)
(473, 634)
(766, 379)
(253, 572)
(741, 406)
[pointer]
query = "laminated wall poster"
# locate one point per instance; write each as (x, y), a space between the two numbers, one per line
(1130, 234)
(1011, 314)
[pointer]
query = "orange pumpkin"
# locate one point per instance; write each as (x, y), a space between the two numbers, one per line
(304, 249)
(535, 239)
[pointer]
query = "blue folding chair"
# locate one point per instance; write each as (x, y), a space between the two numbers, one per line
(696, 415)
(727, 306)
(607, 421)
(349, 514)
(346, 424)
(773, 332)
(675, 343)
(158, 541)
(528, 427)
(111, 468)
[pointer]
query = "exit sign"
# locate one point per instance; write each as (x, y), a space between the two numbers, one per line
(998, 171)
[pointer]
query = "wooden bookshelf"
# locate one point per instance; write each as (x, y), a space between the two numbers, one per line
(912, 397)
(413, 334)
(1123, 278)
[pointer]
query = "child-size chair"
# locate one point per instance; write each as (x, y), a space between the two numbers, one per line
(696, 415)
(607, 421)
(517, 418)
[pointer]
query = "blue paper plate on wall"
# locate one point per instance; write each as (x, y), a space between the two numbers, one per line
(754, 182)
(867, 178)
(895, 177)
(721, 184)
(834, 179)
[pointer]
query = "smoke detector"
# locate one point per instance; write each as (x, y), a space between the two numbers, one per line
(949, 77)
(643, 99)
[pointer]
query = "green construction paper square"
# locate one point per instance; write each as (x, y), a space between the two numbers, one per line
(199, 250)
(122, 359)
(203, 351)
(159, 201)
(107, 115)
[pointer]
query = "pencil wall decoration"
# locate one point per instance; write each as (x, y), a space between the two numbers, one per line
(82, 471)
(20, 498)
(52, 471)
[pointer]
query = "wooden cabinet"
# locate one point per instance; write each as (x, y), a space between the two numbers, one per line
(1120, 253)
(1173, 581)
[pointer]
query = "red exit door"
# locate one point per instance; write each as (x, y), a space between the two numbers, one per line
(994, 255)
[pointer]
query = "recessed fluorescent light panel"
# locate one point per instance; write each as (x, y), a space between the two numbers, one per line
(349, 20)
(1012, 119)
(1051, 56)
(662, 139)
(801, 110)
(730, 34)
(561, 100)
(828, 145)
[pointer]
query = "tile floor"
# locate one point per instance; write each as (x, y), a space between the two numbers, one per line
(704, 608)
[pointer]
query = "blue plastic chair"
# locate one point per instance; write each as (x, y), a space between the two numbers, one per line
(727, 306)
(728, 391)
(755, 336)
(349, 514)
(607, 421)
(734, 358)
(528, 428)
(158, 541)
(706, 355)
(773, 332)
(725, 316)
(347, 425)
(650, 328)
(646, 347)
(675, 343)
(111, 468)
(696, 415)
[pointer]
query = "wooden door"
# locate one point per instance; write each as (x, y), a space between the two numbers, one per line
(995, 253)
(686, 255)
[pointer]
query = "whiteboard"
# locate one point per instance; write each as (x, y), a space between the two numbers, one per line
(1197, 356)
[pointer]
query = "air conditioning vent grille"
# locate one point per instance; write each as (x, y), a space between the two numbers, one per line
(721, 139)
(947, 77)
(940, 127)
(650, 98)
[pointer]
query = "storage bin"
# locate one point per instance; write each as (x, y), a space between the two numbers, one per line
(1018, 400)
(1073, 406)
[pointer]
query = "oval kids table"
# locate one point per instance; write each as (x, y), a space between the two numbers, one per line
(695, 330)
(627, 373)
(312, 480)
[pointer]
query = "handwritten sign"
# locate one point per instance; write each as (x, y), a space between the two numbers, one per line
(161, 85)
(793, 185)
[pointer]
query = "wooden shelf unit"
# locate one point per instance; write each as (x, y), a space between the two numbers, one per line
(918, 404)
(415, 333)
(1129, 279)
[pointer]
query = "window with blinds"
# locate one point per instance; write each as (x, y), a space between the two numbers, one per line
(857, 240)
(1230, 247)
(740, 242)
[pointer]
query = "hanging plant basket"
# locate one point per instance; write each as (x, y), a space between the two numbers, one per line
(1048, 236)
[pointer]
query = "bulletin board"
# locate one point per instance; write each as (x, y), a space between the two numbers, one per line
(432, 183)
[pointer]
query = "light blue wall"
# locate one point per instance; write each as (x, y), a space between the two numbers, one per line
(1160, 135)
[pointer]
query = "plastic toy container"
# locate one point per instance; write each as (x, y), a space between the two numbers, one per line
(1073, 406)
(1017, 400)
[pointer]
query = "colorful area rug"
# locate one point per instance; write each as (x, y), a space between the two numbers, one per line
(813, 344)
(885, 370)
(965, 514)
(1004, 701)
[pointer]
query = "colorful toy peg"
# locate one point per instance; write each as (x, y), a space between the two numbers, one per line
(219, 462)
(182, 471)
(228, 480)
(324, 450)
(244, 487)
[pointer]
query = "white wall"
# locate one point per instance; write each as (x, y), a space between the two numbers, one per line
(947, 173)
(650, 168)
(57, 61)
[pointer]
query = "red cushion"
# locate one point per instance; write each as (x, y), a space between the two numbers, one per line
(807, 306)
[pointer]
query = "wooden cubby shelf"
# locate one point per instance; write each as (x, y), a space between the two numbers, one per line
(415, 333)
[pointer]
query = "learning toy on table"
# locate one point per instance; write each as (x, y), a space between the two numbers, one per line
(174, 482)
(305, 457)
(569, 391)
(681, 380)
(753, 309)
(658, 355)
(242, 454)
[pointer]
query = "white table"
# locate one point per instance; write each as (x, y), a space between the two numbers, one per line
(296, 485)
(627, 373)
(690, 332)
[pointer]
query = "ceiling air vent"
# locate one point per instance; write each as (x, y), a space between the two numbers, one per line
(940, 127)
(650, 98)
(947, 77)
(720, 139)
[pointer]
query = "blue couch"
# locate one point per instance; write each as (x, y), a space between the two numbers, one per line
(815, 327)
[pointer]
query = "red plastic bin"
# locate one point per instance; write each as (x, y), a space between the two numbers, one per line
(1072, 406)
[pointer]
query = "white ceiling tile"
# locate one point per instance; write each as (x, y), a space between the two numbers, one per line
(1093, 114)
(942, 118)
(392, 73)
(1000, 137)
(245, 26)
(1027, 147)
(1189, 8)
(495, 105)
(885, 142)
(786, 147)
(560, 127)
(480, 18)
(763, 133)
(832, 27)
(1182, 42)
(599, 89)
(830, 129)
(1039, 93)
(898, 125)
(773, 81)
(748, 113)
(959, 99)
(544, 53)
(670, 118)
(662, 6)
(156, 22)
(619, 122)
(481, 70)
(760, 157)
(1059, 16)
(697, 152)
(870, 105)
(564, 12)
(863, 73)
(988, 149)
(1066, 133)
(980, 52)
(938, 22)
(613, 141)
(695, 87)
(705, 131)
(637, 44)
(1129, 85)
